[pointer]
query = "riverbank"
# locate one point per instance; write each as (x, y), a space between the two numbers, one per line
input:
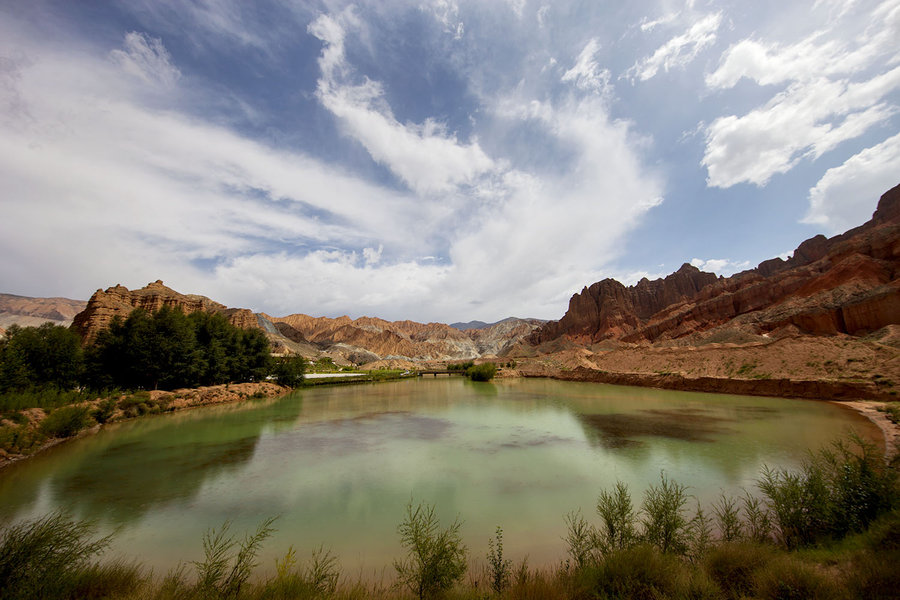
(104, 410)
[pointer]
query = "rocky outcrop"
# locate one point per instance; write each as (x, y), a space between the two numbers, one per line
(844, 284)
(368, 339)
(608, 309)
(119, 301)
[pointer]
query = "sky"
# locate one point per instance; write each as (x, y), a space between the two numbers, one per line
(433, 160)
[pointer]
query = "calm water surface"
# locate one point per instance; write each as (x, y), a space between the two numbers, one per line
(338, 465)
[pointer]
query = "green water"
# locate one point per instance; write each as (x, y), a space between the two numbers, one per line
(338, 465)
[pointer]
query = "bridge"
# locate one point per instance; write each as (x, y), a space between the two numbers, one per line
(437, 372)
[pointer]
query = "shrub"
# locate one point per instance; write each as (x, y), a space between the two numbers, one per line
(66, 421)
(104, 410)
(223, 572)
(728, 519)
(787, 578)
(581, 540)
(436, 558)
(46, 557)
(482, 372)
(19, 439)
(618, 519)
(733, 566)
(500, 568)
(665, 525)
(638, 572)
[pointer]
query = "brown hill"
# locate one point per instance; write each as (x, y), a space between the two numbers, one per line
(358, 341)
(120, 301)
(25, 311)
(848, 284)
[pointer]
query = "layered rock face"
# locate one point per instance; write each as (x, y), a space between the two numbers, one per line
(359, 341)
(849, 284)
(119, 301)
(368, 339)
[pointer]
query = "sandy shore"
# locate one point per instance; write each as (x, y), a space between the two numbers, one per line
(891, 430)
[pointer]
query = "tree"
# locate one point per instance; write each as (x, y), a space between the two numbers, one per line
(49, 355)
(482, 372)
(289, 370)
(436, 558)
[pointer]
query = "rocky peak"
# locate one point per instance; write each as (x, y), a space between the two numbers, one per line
(119, 301)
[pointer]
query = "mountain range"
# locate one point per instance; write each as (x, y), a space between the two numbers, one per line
(846, 285)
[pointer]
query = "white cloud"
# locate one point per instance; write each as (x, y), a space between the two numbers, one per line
(847, 195)
(103, 189)
(146, 57)
(825, 101)
(587, 74)
(425, 156)
(721, 266)
(680, 50)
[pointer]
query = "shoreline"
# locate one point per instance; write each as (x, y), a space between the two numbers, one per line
(841, 393)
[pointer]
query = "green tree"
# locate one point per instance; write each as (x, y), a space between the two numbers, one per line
(436, 558)
(289, 370)
(49, 355)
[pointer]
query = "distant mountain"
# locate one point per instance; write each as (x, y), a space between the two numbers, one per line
(26, 311)
(483, 325)
(358, 341)
(847, 284)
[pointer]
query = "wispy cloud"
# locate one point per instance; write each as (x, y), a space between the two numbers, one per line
(679, 50)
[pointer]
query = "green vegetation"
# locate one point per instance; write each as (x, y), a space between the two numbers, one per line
(463, 366)
(288, 371)
(168, 349)
(892, 410)
(436, 558)
(482, 372)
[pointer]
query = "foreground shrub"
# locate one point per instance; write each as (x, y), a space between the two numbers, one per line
(223, 571)
(639, 572)
(839, 491)
(436, 558)
(617, 517)
(48, 558)
(665, 524)
(733, 567)
(786, 578)
(66, 421)
(500, 568)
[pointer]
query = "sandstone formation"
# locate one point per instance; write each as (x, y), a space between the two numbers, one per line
(847, 284)
(119, 301)
(358, 341)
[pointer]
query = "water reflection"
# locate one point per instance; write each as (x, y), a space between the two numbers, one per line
(338, 464)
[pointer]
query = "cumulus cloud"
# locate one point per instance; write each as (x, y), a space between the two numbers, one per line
(847, 195)
(825, 101)
(680, 50)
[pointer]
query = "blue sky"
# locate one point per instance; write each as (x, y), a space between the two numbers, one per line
(437, 160)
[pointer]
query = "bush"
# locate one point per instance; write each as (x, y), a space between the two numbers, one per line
(638, 572)
(20, 439)
(787, 578)
(733, 566)
(436, 558)
(482, 372)
(104, 410)
(47, 557)
(223, 572)
(839, 491)
(665, 525)
(618, 519)
(66, 421)
(501, 568)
